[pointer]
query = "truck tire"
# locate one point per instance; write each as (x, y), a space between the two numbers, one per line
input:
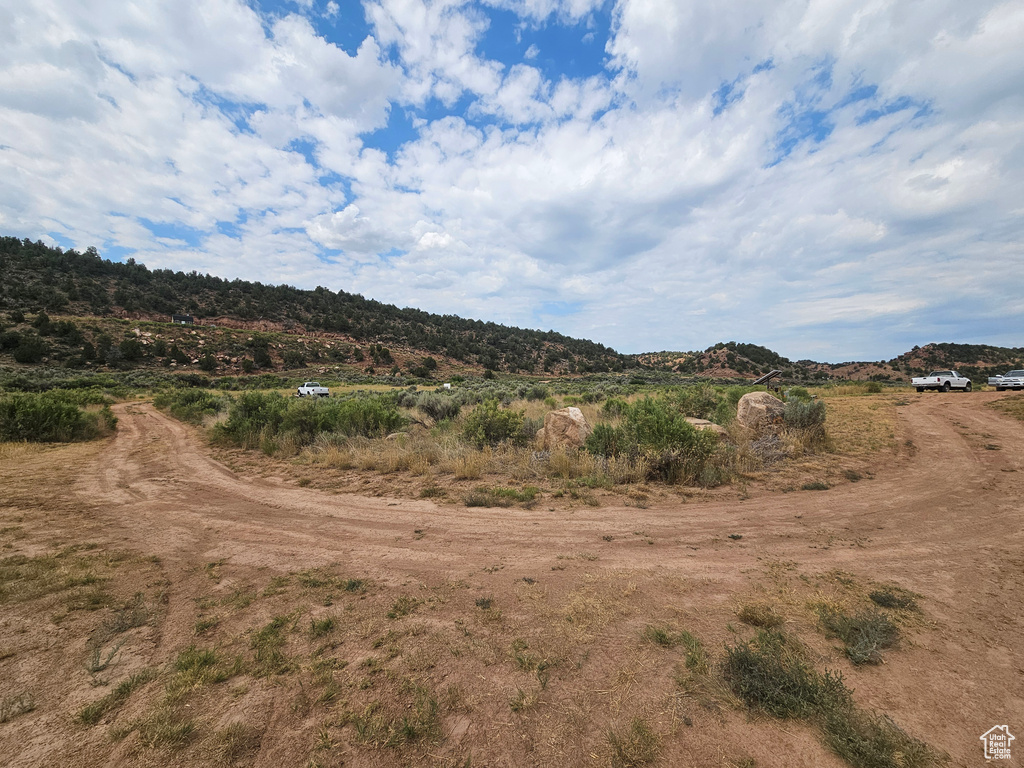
(945, 387)
(920, 389)
(999, 389)
(968, 387)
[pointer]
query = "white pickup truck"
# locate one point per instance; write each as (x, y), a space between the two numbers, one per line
(1011, 380)
(312, 389)
(942, 380)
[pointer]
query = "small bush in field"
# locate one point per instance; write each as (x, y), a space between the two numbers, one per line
(614, 406)
(490, 424)
(798, 393)
(262, 418)
(437, 406)
(190, 405)
(805, 415)
(51, 417)
(605, 440)
(658, 432)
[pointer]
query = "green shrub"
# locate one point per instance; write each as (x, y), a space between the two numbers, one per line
(769, 674)
(700, 401)
(605, 440)
(437, 406)
(131, 349)
(30, 349)
(258, 418)
(865, 634)
(293, 359)
(489, 424)
(537, 392)
(10, 340)
(614, 406)
(51, 417)
(190, 405)
(798, 393)
(804, 415)
(657, 431)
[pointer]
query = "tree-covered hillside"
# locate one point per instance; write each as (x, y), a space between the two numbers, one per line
(38, 277)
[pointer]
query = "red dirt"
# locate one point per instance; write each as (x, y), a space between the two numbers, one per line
(944, 521)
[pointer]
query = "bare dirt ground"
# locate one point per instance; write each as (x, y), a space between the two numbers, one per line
(355, 631)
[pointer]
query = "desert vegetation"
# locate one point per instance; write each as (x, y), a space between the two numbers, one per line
(486, 430)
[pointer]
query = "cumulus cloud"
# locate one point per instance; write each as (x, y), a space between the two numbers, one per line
(826, 178)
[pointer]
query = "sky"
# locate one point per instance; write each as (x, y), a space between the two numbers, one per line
(833, 179)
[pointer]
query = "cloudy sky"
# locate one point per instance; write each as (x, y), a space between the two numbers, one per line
(835, 179)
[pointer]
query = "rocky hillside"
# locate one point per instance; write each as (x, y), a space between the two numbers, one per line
(733, 360)
(78, 310)
(40, 278)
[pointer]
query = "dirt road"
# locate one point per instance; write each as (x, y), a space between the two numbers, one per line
(944, 520)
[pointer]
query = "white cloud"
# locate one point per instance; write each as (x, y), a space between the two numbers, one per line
(856, 177)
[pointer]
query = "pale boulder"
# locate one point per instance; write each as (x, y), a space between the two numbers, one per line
(760, 411)
(564, 428)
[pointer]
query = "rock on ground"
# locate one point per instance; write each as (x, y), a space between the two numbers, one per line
(564, 428)
(760, 411)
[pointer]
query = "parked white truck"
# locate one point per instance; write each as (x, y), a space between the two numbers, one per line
(312, 389)
(1011, 380)
(942, 380)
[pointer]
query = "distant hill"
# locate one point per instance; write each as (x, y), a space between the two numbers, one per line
(736, 360)
(249, 326)
(39, 277)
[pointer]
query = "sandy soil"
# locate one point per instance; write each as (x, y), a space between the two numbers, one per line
(943, 519)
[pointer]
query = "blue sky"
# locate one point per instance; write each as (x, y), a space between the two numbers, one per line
(833, 180)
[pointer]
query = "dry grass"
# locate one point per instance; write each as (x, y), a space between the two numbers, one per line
(1012, 405)
(862, 426)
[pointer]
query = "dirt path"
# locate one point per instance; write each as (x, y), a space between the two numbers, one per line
(944, 520)
(954, 498)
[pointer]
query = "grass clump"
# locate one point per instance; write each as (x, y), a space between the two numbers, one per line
(321, 627)
(760, 615)
(403, 606)
(696, 656)
(501, 497)
(267, 645)
(870, 740)
(770, 673)
(166, 728)
(197, 667)
(816, 485)
(236, 743)
(638, 746)
(894, 598)
(16, 705)
(416, 718)
(91, 714)
(865, 634)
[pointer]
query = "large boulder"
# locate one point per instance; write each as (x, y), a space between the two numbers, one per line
(760, 411)
(709, 425)
(564, 428)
